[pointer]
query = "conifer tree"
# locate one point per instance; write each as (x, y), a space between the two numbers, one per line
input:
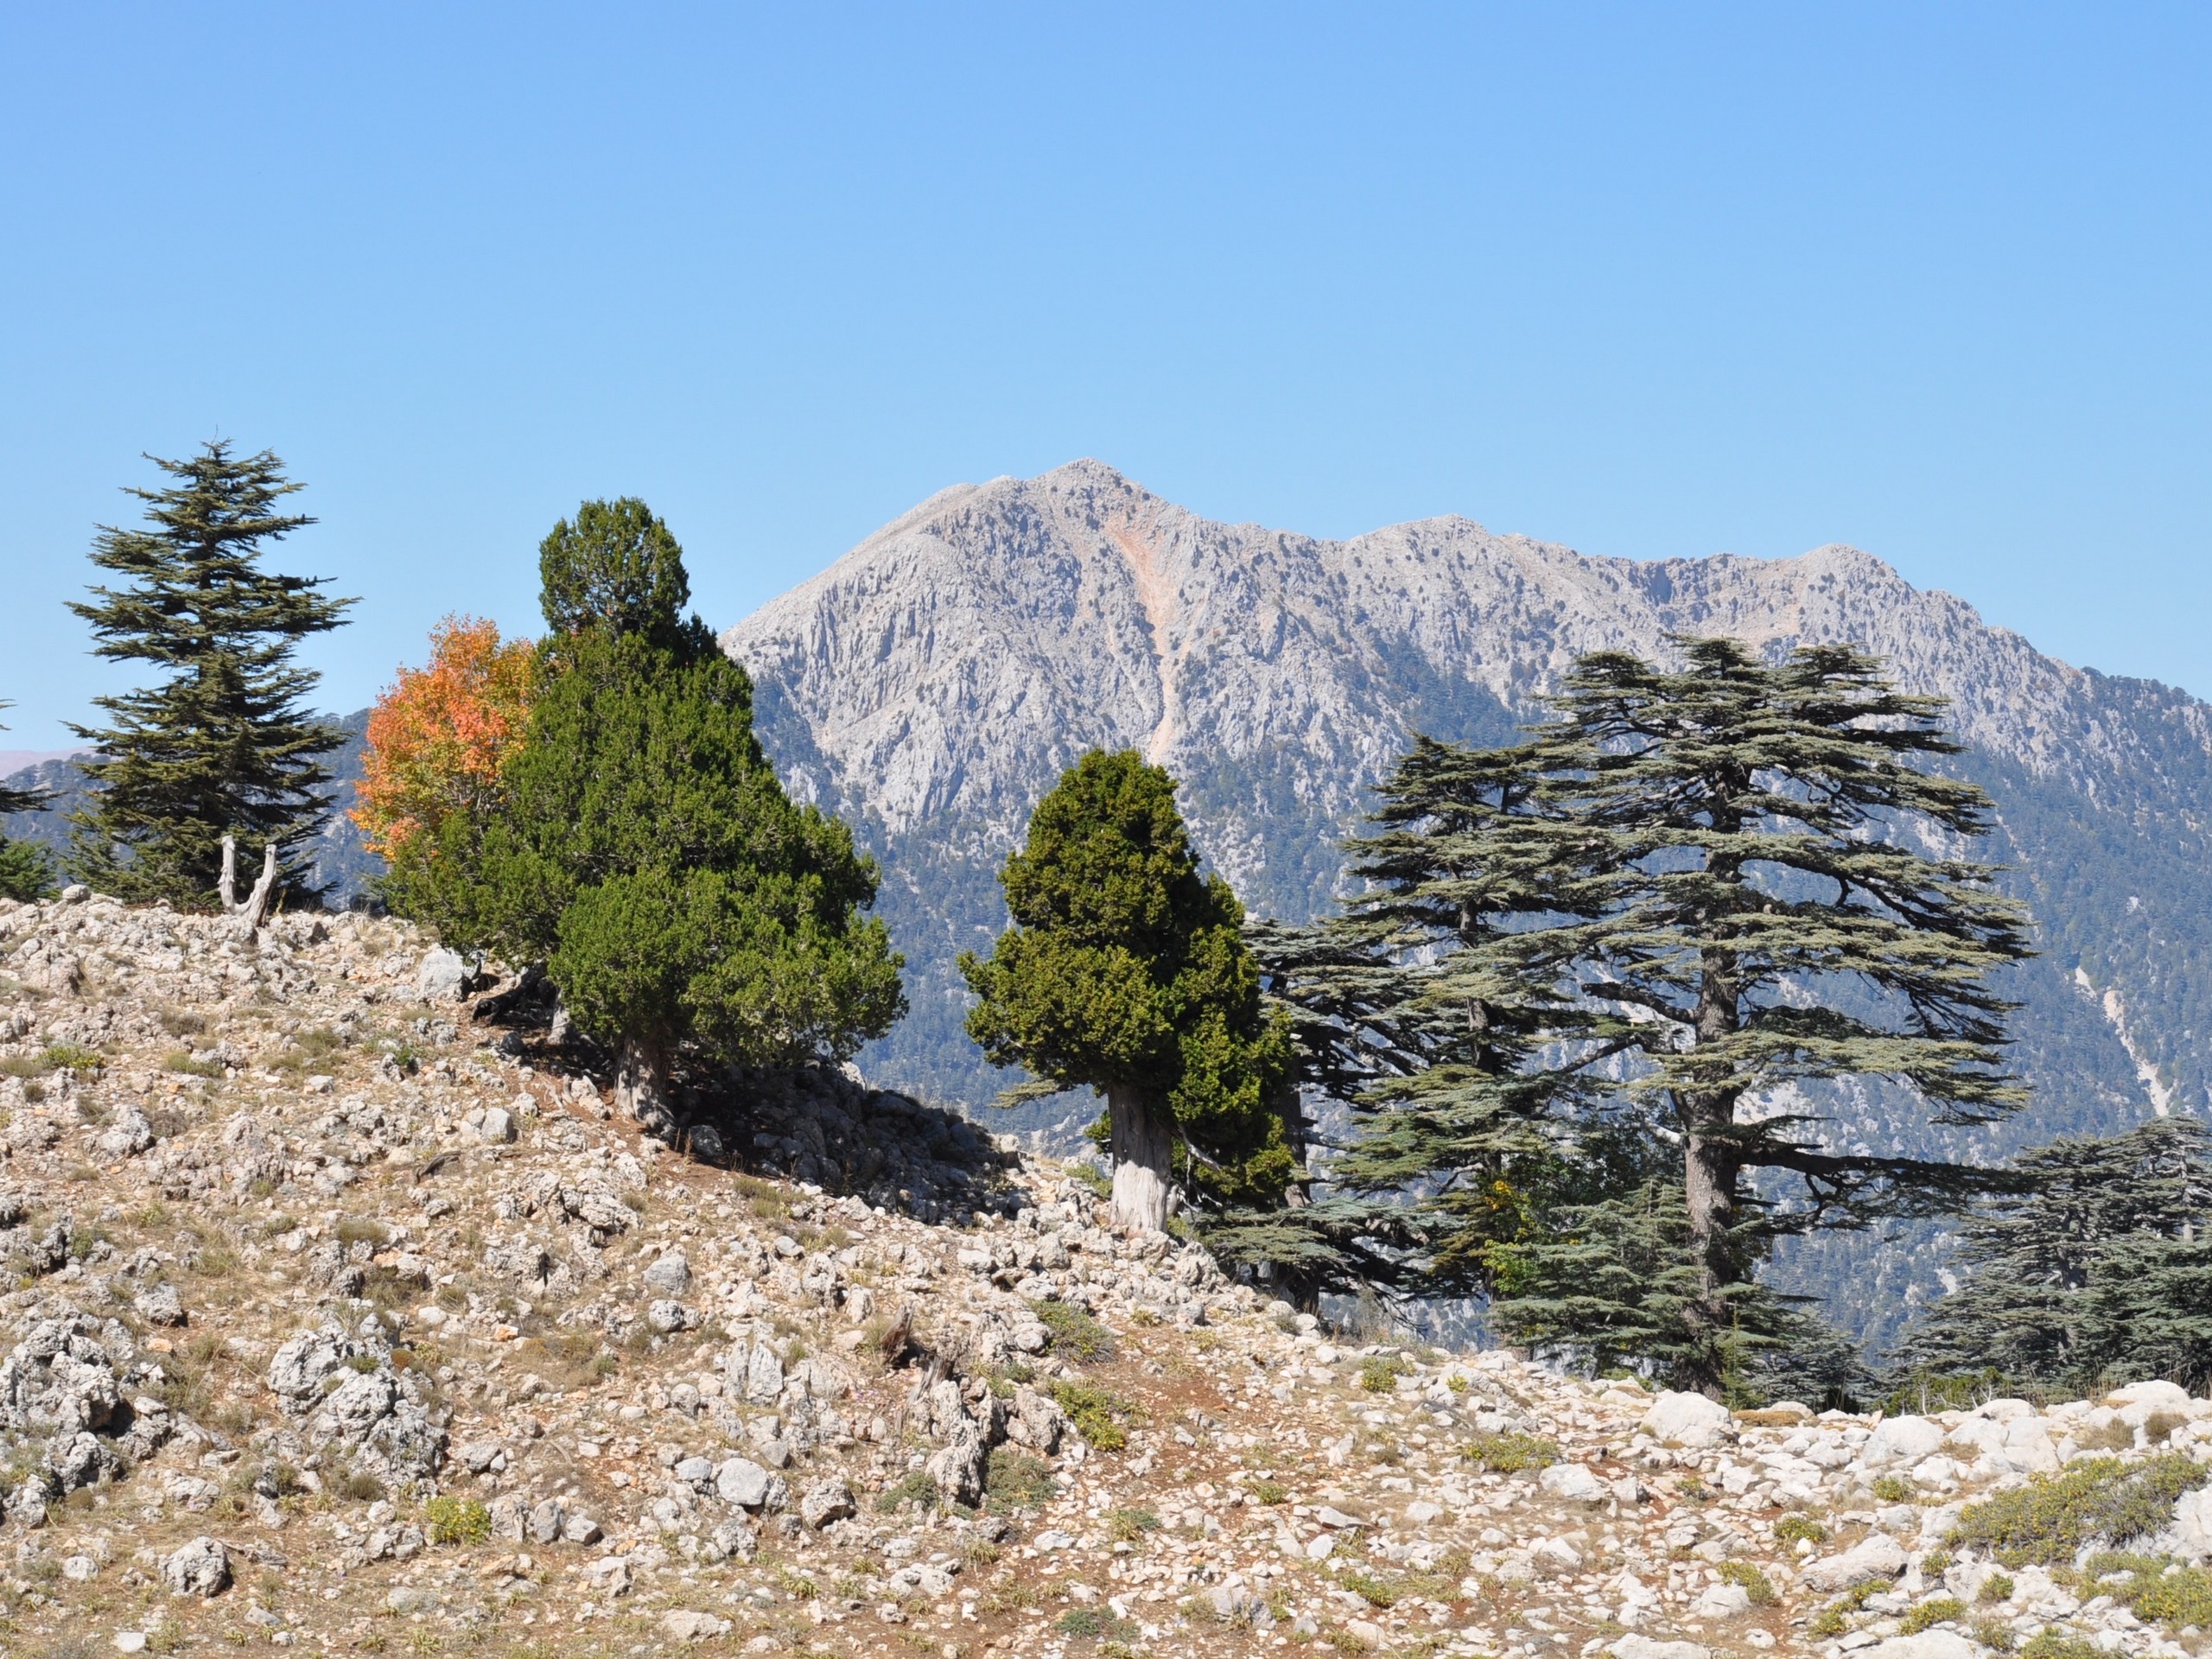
(25, 870)
(1620, 960)
(223, 746)
(2099, 1264)
(1125, 970)
(690, 913)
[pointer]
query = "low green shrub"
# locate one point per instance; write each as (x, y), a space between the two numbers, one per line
(1380, 1373)
(917, 1490)
(1510, 1454)
(1015, 1480)
(457, 1520)
(1098, 1416)
(2093, 1500)
(1755, 1584)
(1941, 1610)
(1075, 1333)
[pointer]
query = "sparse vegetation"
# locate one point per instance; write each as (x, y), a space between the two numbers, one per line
(916, 1490)
(2093, 1500)
(456, 1521)
(1796, 1528)
(1754, 1583)
(1380, 1374)
(1098, 1416)
(1015, 1479)
(1510, 1454)
(1126, 1526)
(1075, 1334)
(1937, 1609)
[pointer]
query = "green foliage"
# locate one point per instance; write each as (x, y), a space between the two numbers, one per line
(1075, 1333)
(2093, 1500)
(2100, 1264)
(1126, 1526)
(1098, 1415)
(457, 1520)
(1892, 1489)
(25, 869)
(1125, 970)
(225, 745)
(1375, 1591)
(1799, 1528)
(917, 1491)
(1996, 1588)
(1510, 1454)
(1937, 1609)
(1836, 1619)
(2154, 1588)
(1380, 1374)
(616, 569)
(683, 902)
(2057, 1645)
(1015, 1480)
(1677, 900)
(1755, 1583)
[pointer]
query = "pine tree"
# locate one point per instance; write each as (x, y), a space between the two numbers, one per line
(223, 746)
(1640, 942)
(25, 870)
(691, 915)
(1125, 970)
(2099, 1264)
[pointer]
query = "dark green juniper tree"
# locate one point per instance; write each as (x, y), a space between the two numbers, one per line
(225, 745)
(2099, 1270)
(1610, 969)
(689, 913)
(1125, 970)
(25, 870)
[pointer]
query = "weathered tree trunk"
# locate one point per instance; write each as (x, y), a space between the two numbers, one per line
(641, 1088)
(254, 912)
(1141, 1147)
(1712, 1168)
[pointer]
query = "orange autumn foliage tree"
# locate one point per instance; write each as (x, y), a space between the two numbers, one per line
(441, 738)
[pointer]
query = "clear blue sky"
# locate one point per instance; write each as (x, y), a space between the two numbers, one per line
(1649, 280)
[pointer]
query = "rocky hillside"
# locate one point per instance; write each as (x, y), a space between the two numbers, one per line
(344, 1315)
(933, 681)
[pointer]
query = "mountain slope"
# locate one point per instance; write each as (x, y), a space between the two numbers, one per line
(933, 681)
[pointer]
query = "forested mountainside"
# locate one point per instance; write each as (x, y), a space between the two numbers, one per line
(933, 683)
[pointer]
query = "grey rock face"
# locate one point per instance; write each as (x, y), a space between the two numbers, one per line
(201, 1568)
(670, 1274)
(743, 1483)
(443, 978)
(59, 1380)
(824, 1501)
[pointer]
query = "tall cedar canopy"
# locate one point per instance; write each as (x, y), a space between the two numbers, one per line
(686, 908)
(1125, 970)
(25, 870)
(225, 744)
(2098, 1270)
(1622, 958)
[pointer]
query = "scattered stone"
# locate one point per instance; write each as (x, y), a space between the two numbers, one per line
(200, 1568)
